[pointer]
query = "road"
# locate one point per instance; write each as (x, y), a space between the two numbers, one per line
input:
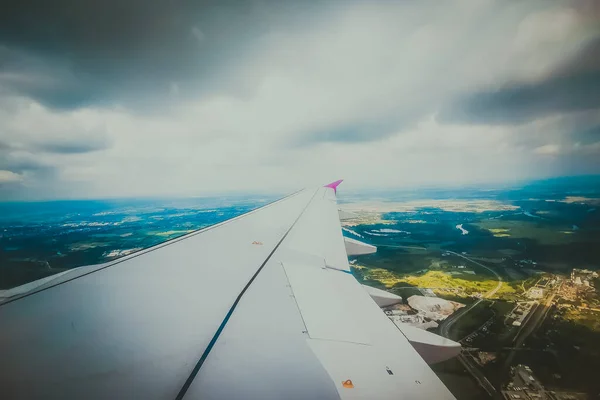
(485, 324)
(470, 365)
(465, 358)
(498, 286)
(531, 324)
(448, 322)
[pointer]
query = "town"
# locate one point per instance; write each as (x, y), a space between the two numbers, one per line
(503, 337)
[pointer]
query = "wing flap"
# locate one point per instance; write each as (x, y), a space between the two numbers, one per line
(381, 297)
(262, 353)
(433, 348)
(325, 302)
(377, 372)
(355, 247)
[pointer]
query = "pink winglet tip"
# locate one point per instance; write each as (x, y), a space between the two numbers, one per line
(334, 185)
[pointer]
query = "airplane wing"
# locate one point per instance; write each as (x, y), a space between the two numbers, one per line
(262, 306)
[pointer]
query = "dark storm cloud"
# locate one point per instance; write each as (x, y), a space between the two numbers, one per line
(98, 51)
(573, 86)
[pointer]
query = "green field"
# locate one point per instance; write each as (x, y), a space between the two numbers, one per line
(448, 276)
(544, 234)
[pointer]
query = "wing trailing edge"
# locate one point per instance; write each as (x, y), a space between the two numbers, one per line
(356, 247)
(381, 297)
(346, 215)
(431, 347)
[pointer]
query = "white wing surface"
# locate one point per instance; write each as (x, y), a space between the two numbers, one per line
(262, 306)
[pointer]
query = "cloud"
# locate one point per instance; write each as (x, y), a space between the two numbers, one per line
(95, 52)
(29, 127)
(9, 177)
(184, 99)
(548, 149)
(572, 86)
(20, 162)
(37, 144)
(66, 145)
(520, 103)
(586, 135)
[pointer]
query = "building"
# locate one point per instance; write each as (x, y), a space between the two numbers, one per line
(525, 386)
(535, 293)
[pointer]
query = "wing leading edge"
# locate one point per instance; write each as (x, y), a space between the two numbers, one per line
(261, 306)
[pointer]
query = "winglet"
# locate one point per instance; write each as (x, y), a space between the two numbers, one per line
(334, 185)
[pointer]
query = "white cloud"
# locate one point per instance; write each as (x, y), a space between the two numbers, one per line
(9, 177)
(548, 150)
(545, 37)
(30, 126)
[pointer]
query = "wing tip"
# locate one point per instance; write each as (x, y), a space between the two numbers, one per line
(334, 185)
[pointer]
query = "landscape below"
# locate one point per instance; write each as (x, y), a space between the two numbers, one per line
(514, 270)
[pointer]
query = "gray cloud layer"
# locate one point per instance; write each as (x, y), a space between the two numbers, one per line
(78, 53)
(573, 86)
(130, 97)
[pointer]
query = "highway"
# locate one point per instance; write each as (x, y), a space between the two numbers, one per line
(448, 322)
(532, 323)
(470, 365)
(465, 358)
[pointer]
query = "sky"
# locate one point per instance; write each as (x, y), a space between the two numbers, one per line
(190, 98)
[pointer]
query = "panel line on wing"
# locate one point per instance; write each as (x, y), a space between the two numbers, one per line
(211, 344)
(289, 284)
(341, 341)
